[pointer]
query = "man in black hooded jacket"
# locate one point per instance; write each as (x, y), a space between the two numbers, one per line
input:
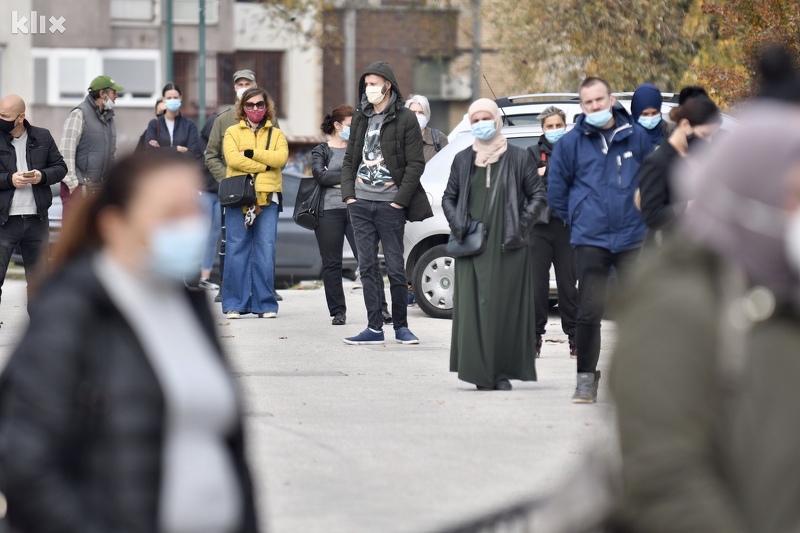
(380, 183)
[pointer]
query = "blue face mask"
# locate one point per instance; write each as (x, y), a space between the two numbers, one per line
(599, 118)
(650, 122)
(484, 130)
(176, 248)
(554, 135)
(345, 133)
(173, 105)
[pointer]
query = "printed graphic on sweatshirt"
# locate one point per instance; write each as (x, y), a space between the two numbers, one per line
(373, 169)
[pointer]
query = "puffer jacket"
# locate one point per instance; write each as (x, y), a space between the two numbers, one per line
(401, 144)
(82, 416)
(524, 194)
(264, 162)
(708, 433)
(591, 183)
(42, 155)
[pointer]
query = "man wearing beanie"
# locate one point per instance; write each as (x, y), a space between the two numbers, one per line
(380, 183)
(646, 111)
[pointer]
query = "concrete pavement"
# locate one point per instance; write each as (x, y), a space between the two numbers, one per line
(385, 439)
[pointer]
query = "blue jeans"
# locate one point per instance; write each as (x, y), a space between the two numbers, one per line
(375, 222)
(211, 205)
(248, 285)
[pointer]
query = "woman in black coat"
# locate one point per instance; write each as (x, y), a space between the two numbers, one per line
(117, 409)
(697, 120)
(171, 130)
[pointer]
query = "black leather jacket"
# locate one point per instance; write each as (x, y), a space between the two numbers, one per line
(525, 194)
(82, 416)
(320, 157)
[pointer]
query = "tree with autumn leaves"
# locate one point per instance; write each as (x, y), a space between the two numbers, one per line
(552, 45)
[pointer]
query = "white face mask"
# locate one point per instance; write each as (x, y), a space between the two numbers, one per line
(374, 94)
(423, 121)
(108, 103)
(792, 238)
(239, 92)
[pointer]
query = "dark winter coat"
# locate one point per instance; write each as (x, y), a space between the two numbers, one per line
(524, 194)
(82, 416)
(320, 157)
(591, 184)
(401, 144)
(542, 152)
(42, 154)
(183, 134)
(655, 188)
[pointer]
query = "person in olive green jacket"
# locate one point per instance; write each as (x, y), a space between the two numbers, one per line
(708, 350)
(380, 183)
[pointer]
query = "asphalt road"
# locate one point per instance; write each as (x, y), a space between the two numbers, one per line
(358, 439)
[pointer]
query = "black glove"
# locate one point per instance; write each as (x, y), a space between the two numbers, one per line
(248, 153)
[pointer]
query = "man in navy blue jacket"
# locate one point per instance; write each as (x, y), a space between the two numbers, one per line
(592, 182)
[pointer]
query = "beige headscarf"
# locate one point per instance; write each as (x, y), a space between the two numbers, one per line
(488, 152)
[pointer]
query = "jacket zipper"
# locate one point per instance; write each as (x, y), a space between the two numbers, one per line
(619, 170)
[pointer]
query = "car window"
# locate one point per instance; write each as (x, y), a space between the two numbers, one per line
(527, 119)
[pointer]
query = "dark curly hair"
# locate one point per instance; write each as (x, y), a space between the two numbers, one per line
(339, 115)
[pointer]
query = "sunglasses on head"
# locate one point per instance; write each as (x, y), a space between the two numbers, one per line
(255, 105)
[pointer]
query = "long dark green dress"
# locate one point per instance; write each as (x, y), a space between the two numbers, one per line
(493, 316)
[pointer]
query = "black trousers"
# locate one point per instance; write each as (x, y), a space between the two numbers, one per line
(594, 267)
(550, 245)
(32, 234)
(334, 225)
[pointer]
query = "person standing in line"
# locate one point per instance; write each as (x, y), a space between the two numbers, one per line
(380, 183)
(160, 109)
(697, 121)
(646, 111)
(432, 140)
(253, 146)
(334, 222)
(173, 131)
(209, 195)
(591, 185)
(89, 141)
(29, 164)
(493, 312)
(215, 156)
(119, 411)
(550, 243)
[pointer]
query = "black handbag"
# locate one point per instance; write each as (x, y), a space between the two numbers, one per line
(477, 234)
(237, 191)
(307, 205)
(240, 191)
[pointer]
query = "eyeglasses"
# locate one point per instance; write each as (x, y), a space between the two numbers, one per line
(255, 105)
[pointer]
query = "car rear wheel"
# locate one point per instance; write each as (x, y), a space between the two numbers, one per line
(434, 282)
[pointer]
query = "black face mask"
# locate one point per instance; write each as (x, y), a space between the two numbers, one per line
(7, 125)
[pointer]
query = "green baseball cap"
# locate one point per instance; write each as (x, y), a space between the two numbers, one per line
(246, 74)
(105, 82)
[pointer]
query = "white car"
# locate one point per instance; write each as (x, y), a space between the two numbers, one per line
(522, 110)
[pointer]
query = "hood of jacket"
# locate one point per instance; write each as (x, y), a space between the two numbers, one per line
(380, 68)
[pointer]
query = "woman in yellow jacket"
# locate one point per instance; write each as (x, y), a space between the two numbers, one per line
(253, 146)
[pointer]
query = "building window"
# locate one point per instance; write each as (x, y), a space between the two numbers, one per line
(133, 10)
(188, 11)
(61, 76)
(268, 68)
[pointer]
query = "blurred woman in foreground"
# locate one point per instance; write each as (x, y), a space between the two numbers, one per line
(118, 412)
(708, 343)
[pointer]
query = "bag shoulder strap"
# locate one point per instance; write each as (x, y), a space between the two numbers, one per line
(269, 141)
(436, 144)
(487, 217)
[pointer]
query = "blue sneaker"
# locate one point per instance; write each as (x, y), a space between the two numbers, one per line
(404, 336)
(366, 337)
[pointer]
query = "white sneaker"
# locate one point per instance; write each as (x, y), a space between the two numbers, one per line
(357, 283)
(233, 315)
(268, 315)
